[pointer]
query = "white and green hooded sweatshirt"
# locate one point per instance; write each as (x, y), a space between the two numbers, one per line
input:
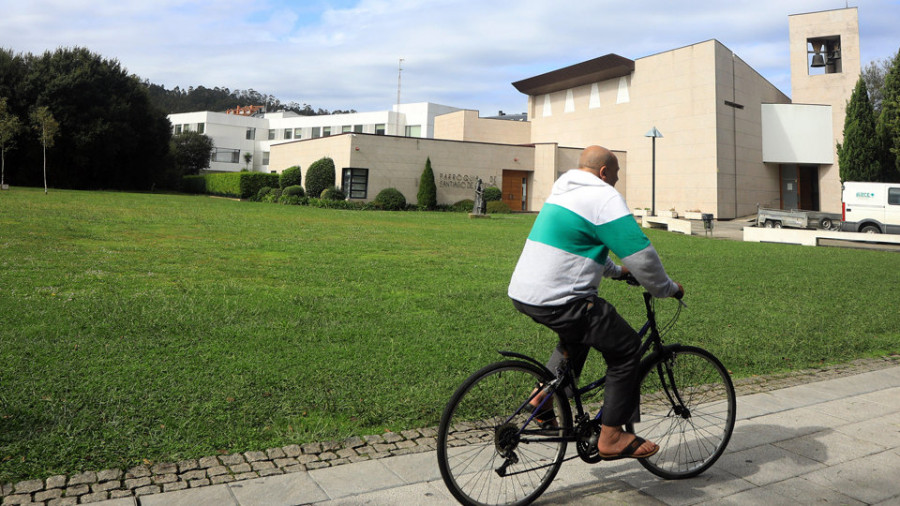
(567, 252)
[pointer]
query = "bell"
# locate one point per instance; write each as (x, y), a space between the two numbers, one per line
(817, 61)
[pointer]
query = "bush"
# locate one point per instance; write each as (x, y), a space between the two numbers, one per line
(332, 193)
(273, 196)
(249, 183)
(352, 205)
(290, 177)
(293, 200)
(390, 199)
(497, 207)
(492, 193)
(319, 176)
(427, 196)
(261, 193)
(293, 191)
(463, 206)
(193, 184)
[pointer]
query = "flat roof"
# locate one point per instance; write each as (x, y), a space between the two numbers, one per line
(599, 69)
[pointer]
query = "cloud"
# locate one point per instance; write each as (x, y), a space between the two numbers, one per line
(340, 54)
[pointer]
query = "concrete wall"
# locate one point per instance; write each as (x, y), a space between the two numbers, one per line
(468, 126)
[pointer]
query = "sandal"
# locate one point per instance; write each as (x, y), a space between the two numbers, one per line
(628, 451)
(546, 418)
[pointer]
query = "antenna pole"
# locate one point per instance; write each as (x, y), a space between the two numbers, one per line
(399, 75)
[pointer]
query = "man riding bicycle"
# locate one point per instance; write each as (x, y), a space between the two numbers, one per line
(555, 283)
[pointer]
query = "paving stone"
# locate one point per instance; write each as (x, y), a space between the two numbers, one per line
(188, 465)
(338, 462)
(63, 501)
(270, 472)
(392, 437)
(208, 462)
(137, 482)
(47, 495)
(285, 462)
(164, 468)
(327, 456)
(159, 479)
(292, 450)
(199, 483)
(406, 444)
(245, 476)
(216, 471)
(78, 490)
(106, 485)
(312, 448)
(330, 446)
(316, 465)
(275, 453)
(86, 477)
(233, 459)
(346, 453)
(299, 468)
(240, 468)
(359, 458)
(58, 481)
(109, 475)
(306, 459)
(199, 474)
(148, 490)
(429, 432)
(354, 442)
(410, 434)
(178, 485)
(264, 464)
(225, 478)
(137, 472)
(383, 448)
(118, 494)
(373, 439)
(29, 486)
(95, 497)
(17, 499)
(255, 456)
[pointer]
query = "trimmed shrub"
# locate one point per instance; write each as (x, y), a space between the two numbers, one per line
(498, 207)
(463, 206)
(427, 196)
(492, 193)
(250, 182)
(193, 184)
(332, 193)
(292, 200)
(351, 205)
(229, 184)
(290, 177)
(293, 191)
(390, 199)
(261, 193)
(319, 176)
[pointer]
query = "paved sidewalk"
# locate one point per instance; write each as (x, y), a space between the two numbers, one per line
(835, 441)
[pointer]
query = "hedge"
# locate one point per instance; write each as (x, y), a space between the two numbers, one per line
(230, 184)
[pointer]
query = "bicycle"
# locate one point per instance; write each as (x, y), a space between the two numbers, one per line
(493, 449)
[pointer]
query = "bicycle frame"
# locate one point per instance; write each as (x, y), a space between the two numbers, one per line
(649, 332)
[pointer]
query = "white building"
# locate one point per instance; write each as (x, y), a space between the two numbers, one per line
(234, 135)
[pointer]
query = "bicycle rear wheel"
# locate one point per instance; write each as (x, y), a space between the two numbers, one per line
(688, 408)
(486, 452)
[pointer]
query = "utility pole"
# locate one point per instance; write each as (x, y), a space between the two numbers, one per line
(399, 75)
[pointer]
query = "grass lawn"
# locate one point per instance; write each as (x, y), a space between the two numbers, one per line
(166, 327)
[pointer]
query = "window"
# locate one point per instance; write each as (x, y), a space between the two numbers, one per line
(265, 160)
(894, 196)
(187, 128)
(271, 134)
(824, 55)
(201, 128)
(251, 134)
(357, 128)
(177, 129)
(225, 155)
(326, 131)
(414, 131)
(346, 129)
(316, 132)
(379, 129)
(298, 133)
(355, 182)
(287, 133)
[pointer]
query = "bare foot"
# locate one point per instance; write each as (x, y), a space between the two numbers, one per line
(616, 443)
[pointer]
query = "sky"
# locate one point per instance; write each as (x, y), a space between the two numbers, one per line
(345, 54)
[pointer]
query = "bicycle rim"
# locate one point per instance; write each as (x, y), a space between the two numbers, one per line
(692, 422)
(480, 437)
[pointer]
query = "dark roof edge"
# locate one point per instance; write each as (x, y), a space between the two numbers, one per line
(609, 66)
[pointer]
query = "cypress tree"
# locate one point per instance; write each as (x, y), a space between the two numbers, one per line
(888, 124)
(427, 196)
(859, 154)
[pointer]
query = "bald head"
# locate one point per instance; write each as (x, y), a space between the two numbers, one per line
(600, 162)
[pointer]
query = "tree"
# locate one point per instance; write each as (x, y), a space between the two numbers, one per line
(9, 128)
(47, 127)
(192, 151)
(248, 157)
(319, 176)
(888, 124)
(874, 75)
(427, 196)
(290, 176)
(859, 155)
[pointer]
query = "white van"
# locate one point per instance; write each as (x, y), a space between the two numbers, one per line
(873, 208)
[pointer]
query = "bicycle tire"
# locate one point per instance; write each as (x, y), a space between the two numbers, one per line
(478, 427)
(690, 440)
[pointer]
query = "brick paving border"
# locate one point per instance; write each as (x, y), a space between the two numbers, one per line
(94, 486)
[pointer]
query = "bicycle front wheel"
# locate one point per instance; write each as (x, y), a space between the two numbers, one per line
(488, 452)
(688, 408)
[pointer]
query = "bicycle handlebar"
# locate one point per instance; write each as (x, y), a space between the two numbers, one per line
(631, 280)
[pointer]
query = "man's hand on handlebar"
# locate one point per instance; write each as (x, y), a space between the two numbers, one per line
(631, 280)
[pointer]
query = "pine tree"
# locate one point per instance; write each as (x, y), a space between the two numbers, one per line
(858, 156)
(888, 124)
(427, 196)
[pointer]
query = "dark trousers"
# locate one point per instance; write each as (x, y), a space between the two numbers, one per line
(588, 323)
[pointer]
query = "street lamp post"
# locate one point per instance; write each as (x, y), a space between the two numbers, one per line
(653, 133)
